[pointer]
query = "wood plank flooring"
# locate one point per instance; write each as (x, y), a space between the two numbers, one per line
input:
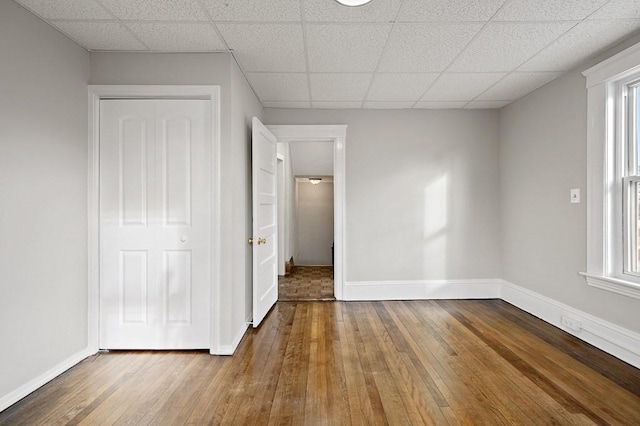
(361, 363)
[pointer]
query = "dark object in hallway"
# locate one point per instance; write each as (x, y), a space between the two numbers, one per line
(288, 267)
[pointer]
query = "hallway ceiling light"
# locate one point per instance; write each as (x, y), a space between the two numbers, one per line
(315, 180)
(352, 3)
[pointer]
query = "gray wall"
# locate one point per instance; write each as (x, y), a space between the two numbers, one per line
(421, 191)
(543, 140)
(244, 106)
(43, 197)
(238, 105)
(314, 218)
(290, 240)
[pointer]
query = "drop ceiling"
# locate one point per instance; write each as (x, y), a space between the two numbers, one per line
(387, 54)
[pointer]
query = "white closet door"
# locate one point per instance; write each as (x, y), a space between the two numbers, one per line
(155, 224)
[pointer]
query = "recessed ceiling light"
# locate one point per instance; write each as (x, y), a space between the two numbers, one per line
(353, 2)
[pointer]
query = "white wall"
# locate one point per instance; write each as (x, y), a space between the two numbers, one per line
(238, 105)
(43, 199)
(244, 106)
(312, 158)
(314, 218)
(542, 156)
(290, 248)
(421, 191)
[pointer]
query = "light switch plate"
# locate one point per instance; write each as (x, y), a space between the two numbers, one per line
(575, 195)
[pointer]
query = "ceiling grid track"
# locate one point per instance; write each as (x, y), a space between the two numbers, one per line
(122, 24)
(390, 54)
(305, 47)
(384, 49)
(459, 54)
(538, 52)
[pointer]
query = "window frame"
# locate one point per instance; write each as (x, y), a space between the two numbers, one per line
(630, 175)
(608, 173)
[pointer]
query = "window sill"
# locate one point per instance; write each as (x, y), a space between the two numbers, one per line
(616, 285)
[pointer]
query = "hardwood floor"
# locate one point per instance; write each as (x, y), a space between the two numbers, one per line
(307, 283)
(413, 362)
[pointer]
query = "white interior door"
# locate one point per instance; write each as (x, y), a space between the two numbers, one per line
(155, 224)
(265, 221)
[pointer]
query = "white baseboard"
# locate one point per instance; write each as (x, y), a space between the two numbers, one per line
(422, 289)
(613, 339)
(230, 349)
(11, 398)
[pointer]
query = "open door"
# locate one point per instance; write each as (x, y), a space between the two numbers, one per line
(265, 221)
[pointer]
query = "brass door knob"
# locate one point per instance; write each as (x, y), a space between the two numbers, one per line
(250, 241)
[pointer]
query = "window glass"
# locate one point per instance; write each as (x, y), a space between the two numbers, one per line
(635, 132)
(632, 183)
(634, 228)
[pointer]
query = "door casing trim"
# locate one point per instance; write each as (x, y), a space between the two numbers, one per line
(336, 133)
(96, 94)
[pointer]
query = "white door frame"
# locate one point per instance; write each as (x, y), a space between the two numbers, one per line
(338, 135)
(98, 92)
(281, 212)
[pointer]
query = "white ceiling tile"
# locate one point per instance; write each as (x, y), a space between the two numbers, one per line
(618, 9)
(280, 86)
(487, 104)
(460, 87)
(580, 42)
(285, 104)
(266, 47)
(345, 47)
(100, 35)
(440, 105)
(388, 105)
(178, 36)
(425, 47)
(400, 87)
(504, 46)
(156, 10)
(516, 85)
(339, 87)
(336, 105)
(253, 10)
(448, 10)
(66, 9)
(376, 11)
(547, 10)
(407, 43)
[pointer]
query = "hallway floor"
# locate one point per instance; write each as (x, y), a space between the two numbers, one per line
(307, 283)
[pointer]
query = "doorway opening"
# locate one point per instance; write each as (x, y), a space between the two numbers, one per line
(306, 212)
(310, 211)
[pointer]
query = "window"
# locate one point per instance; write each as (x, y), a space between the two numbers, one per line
(613, 174)
(631, 182)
